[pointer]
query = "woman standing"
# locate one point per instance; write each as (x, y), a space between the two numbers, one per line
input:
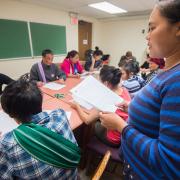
(150, 141)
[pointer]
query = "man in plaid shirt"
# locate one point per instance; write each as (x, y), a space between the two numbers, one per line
(25, 100)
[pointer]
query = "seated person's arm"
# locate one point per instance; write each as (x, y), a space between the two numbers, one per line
(87, 118)
(61, 75)
(4, 79)
(34, 76)
(73, 75)
(79, 71)
(92, 65)
(88, 64)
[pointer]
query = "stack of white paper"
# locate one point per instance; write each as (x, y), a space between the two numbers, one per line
(7, 123)
(54, 86)
(94, 93)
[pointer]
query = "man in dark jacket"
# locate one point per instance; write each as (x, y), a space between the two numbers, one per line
(46, 70)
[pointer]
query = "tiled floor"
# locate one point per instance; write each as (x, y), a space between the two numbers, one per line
(105, 176)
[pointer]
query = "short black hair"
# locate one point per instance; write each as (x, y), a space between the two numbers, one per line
(110, 74)
(21, 99)
(105, 57)
(46, 51)
(131, 67)
(129, 54)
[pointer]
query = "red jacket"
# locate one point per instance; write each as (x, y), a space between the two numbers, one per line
(68, 68)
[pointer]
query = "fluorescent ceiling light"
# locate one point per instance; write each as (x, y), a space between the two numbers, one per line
(107, 7)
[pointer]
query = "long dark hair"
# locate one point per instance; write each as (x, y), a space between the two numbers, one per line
(71, 54)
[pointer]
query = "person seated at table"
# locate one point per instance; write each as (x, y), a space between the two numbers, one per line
(129, 56)
(123, 60)
(43, 145)
(46, 71)
(131, 80)
(110, 77)
(4, 79)
(94, 62)
(144, 68)
(156, 66)
(71, 65)
(145, 65)
(105, 59)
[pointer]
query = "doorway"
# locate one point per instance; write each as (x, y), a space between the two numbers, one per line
(85, 37)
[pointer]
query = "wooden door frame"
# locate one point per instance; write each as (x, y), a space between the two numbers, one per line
(91, 37)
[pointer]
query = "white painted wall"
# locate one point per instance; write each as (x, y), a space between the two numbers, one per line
(122, 35)
(11, 9)
(113, 37)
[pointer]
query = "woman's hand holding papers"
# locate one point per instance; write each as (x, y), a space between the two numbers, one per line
(112, 121)
(89, 117)
(74, 105)
(124, 106)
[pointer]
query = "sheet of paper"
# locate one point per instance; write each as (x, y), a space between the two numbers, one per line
(95, 93)
(82, 102)
(54, 86)
(96, 72)
(86, 73)
(83, 77)
(68, 113)
(6, 123)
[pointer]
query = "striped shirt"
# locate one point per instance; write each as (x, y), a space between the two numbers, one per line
(152, 75)
(151, 141)
(133, 84)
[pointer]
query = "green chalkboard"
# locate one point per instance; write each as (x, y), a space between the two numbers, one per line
(45, 36)
(14, 39)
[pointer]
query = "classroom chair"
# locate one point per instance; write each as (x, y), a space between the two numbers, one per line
(101, 167)
(96, 148)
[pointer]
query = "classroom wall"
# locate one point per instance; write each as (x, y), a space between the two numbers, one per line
(124, 34)
(112, 36)
(15, 10)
